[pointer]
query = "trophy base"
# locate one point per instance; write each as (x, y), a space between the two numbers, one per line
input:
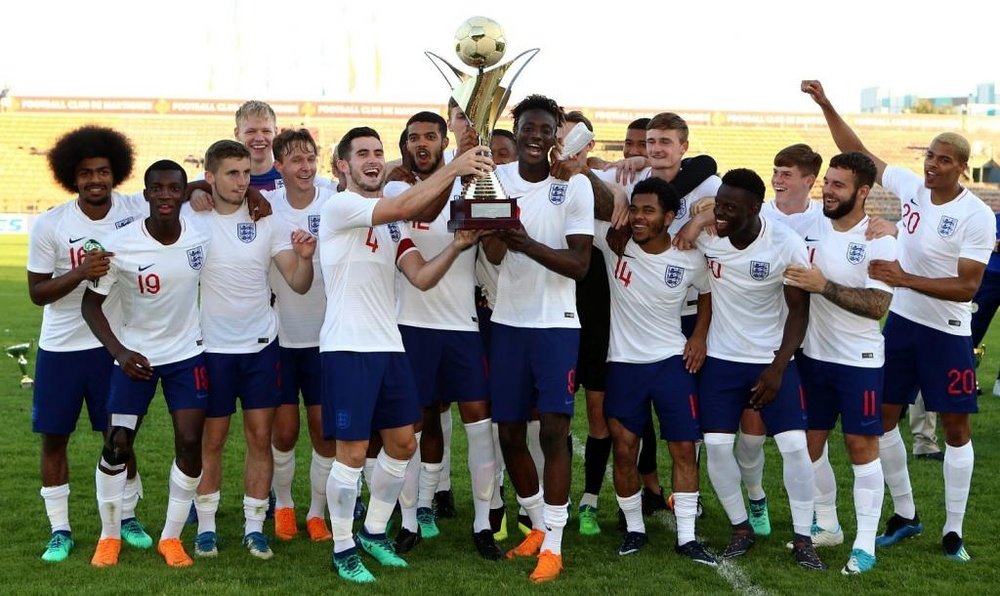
(483, 214)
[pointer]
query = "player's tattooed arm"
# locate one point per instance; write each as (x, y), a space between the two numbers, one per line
(870, 303)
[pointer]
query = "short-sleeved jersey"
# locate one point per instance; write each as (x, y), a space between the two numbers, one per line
(835, 334)
(359, 272)
(648, 293)
(799, 222)
(236, 313)
(748, 306)
(159, 291)
(528, 294)
(708, 188)
(56, 247)
(451, 304)
(932, 238)
(300, 316)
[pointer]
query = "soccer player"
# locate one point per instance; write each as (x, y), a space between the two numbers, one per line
(535, 330)
(440, 334)
(795, 170)
(298, 202)
(157, 264)
(945, 236)
(503, 146)
(367, 381)
(240, 331)
(751, 343)
(843, 353)
(650, 362)
(256, 127)
(72, 365)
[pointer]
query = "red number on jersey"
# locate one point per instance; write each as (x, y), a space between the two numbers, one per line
(716, 268)
(961, 382)
(372, 239)
(812, 253)
(571, 381)
(200, 378)
(911, 218)
(76, 257)
(419, 225)
(622, 272)
(149, 284)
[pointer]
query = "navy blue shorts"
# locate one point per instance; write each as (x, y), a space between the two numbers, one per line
(852, 393)
(532, 367)
(300, 373)
(671, 389)
(938, 364)
(252, 378)
(448, 366)
(725, 393)
(185, 387)
(63, 381)
(364, 392)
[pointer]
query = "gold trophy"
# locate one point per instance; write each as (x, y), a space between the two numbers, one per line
(480, 43)
(19, 353)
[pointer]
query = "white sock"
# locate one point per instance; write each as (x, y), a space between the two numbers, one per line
(130, 499)
(724, 473)
(385, 485)
(825, 493)
(535, 449)
(686, 511)
(206, 506)
(444, 479)
(181, 494)
(411, 488)
(281, 480)
(800, 480)
(430, 474)
(57, 506)
(632, 508)
(110, 492)
(254, 512)
(341, 494)
(750, 457)
(869, 491)
(555, 522)
(892, 452)
(370, 471)
(319, 472)
(482, 471)
(497, 501)
(533, 509)
(589, 500)
(958, 464)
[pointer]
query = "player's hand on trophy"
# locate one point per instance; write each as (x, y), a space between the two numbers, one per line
(477, 162)
(95, 265)
(815, 90)
(467, 238)
(515, 238)
(134, 365)
(303, 244)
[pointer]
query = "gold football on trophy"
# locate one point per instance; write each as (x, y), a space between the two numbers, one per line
(479, 42)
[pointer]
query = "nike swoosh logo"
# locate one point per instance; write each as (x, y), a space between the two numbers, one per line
(75, 240)
(913, 202)
(808, 239)
(711, 257)
(625, 254)
(146, 267)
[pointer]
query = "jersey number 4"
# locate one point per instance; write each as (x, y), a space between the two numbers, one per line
(622, 272)
(372, 240)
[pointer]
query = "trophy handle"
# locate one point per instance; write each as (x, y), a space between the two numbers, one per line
(517, 73)
(437, 61)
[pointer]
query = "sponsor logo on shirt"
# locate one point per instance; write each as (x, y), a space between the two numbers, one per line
(196, 257)
(947, 226)
(314, 224)
(673, 276)
(855, 253)
(557, 193)
(246, 232)
(759, 270)
(124, 222)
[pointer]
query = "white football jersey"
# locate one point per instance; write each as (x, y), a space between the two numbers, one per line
(932, 238)
(56, 246)
(528, 294)
(451, 304)
(359, 273)
(159, 289)
(299, 315)
(799, 222)
(647, 294)
(835, 334)
(748, 304)
(236, 313)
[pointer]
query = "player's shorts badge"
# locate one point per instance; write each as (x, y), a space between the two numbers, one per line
(343, 419)
(855, 253)
(947, 226)
(759, 270)
(314, 224)
(394, 232)
(673, 276)
(557, 193)
(246, 232)
(196, 257)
